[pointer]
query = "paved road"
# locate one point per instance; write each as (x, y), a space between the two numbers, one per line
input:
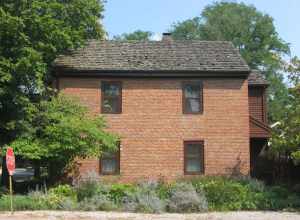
(53, 215)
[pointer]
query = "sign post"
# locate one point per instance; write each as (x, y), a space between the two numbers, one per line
(11, 165)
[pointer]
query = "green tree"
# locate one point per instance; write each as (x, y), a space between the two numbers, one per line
(278, 95)
(32, 34)
(62, 130)
(293, 69)
(286, 135)
(137, 35)
(253, 33)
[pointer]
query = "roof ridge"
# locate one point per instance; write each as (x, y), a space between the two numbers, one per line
(155, 41)
(174, 55)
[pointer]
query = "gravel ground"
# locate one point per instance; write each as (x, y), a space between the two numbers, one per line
(54, 215)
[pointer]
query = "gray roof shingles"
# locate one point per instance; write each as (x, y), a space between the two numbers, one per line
(256, 78)
(210, 56)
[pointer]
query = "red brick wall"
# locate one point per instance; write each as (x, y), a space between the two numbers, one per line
(153, 128)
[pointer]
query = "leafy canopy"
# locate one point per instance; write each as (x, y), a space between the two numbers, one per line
(137, 35)
(251, 31)
(62, 130)
(32, 34)
(286, 135)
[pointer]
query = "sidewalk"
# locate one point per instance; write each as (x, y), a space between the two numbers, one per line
(56, 215)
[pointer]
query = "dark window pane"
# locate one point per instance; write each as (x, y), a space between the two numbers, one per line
(192, 105)
(110, 162)
(193, 157)
(193, 150)
(109, 165)
(110, 105)
(111, 97)
(111, 89)
(192, 91)
(193, 165)
(192, 97)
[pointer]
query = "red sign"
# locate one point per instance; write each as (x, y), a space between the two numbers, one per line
(10, 161)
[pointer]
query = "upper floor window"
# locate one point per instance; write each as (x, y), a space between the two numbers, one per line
(192, 98)
(193, 157)
(111, 101)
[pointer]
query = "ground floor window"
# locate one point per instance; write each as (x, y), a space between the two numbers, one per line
(110, 163)
(193, 157)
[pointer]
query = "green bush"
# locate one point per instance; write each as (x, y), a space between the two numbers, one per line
(277, 198)
(195, 195)
(117, 192)
(184, 198)
(253, 184)
(61, 197)
(51, 201)
(63, 191)
(140, 201)
(68, 204)
(144, 198)
(244, 193)
(225, 194)
(99, 202)
(87, 186)
(21, 203)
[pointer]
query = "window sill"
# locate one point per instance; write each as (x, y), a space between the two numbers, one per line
(193, 173)
(109, 174)
(111, 113)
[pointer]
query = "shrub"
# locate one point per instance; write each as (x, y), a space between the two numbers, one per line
(22, 203)
(144, 199)
(51, 201)
(68, 204)
(63, 191)
(225, 194)
(244, 193)
(184, 198)
(163, 191)
(277, 198)
(195, 195)
(87, 186)
(118, 192)
(254, 185)
(62, 198)
(99, 202)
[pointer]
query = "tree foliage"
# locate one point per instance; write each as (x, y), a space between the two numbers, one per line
(251, 31)
(32, 34)
(137, 35)
(60, 131)
(286, 135)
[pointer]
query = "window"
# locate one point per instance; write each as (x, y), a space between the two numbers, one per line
(110, 163)
(192, 100)
(193, 157)
(111, 97)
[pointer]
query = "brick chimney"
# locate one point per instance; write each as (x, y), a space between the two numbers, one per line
(167, 37)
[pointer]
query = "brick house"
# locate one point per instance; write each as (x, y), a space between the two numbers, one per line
(181, 108)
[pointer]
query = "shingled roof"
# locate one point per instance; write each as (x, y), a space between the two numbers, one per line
(256, 78)
(155, 56)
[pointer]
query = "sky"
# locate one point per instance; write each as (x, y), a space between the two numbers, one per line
(123, 16)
